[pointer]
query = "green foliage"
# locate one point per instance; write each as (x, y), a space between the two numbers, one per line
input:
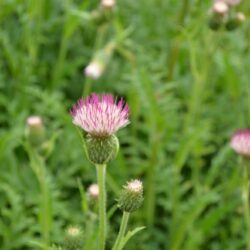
(188, 90)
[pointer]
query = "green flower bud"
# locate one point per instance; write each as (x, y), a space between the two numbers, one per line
(35, 130)
(73, 239)
(234, 22)
(215, 23)
(131, 197)
(101, 150)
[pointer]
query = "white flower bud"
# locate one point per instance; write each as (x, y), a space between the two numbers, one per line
(240, 17)
(220, 8)
(94, 70)
(108, 4)
(93, 191)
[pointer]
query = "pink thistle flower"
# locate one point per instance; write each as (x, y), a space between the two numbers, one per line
(240, 142)
(100, 115)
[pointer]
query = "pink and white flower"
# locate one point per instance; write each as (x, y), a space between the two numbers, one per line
(100, 115)
(240, 142)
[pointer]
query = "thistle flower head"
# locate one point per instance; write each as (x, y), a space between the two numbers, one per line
(100, 115)
(240, 142)
(131, 197)
(73, 238)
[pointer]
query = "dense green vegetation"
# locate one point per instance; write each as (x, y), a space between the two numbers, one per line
(188, 90)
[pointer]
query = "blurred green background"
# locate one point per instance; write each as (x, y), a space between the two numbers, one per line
(188, 90)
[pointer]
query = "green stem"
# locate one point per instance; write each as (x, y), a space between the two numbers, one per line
(45, 215)
(174, 53)
(151, 175)
(245, 200)
(101, 174)
(122, 230)
(87, 86)
(45, 210)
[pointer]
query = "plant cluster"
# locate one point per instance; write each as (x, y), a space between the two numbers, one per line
(187, 89)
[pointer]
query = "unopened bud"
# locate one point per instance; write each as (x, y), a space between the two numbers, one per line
(235, 21)
(94, 70)
(93, 191)
(131, 197)
(220, 8)
(240, 142)
(240, 17)
(108, 4)
(73, 239)
(101, 150)
(35, 130)
(215, 23)
(99, 62)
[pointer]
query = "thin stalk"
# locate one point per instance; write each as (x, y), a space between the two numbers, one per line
(45, 204)
(245, 200)
(122, 230)
(87, 86)
(174, 52)
(151, 175)
(60, 60)
(45, 212)
(90, 232)
(101, 176)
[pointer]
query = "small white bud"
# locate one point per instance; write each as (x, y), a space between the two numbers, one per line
(35, 129)
(108, 4)
(93, 191)
(73, 231)
(220, 8)
(34, 121)
(94, 70)
(240, 17)
(135, 186)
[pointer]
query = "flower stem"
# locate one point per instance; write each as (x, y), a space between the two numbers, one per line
(174, 52)
(45, 207)
(122, 230)
(245, 200)
(101, 174)
(87, 86)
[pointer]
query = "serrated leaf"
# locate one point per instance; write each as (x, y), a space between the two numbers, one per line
(129, 235)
